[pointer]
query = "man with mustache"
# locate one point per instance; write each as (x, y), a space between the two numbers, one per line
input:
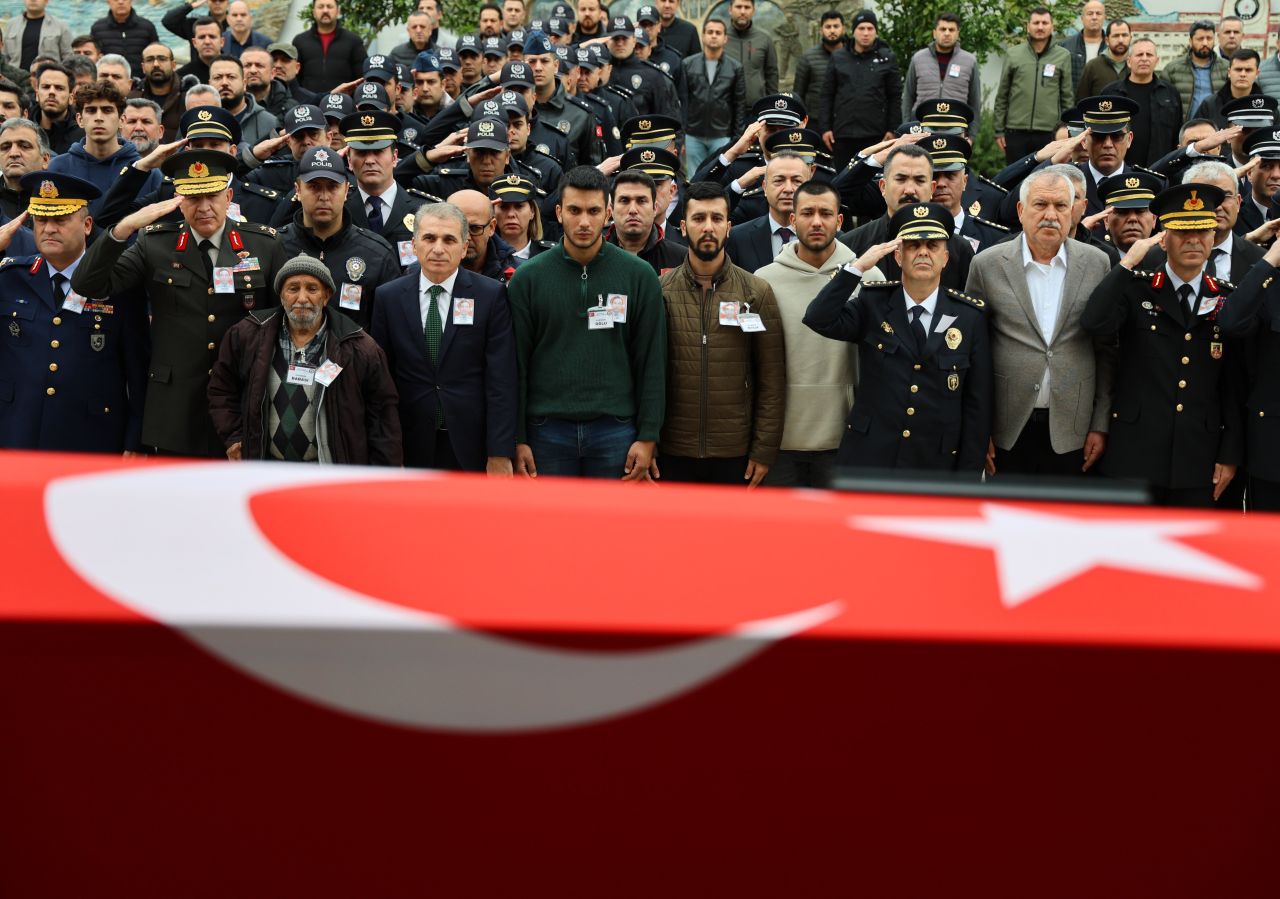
(726, 370)
(924, 398)
(297, 384)
(141, 124)
(756, 243)
(1176, 405)
(1052, 401)
(1127, 198)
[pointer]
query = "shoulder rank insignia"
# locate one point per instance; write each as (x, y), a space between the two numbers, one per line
(992, 224)
(8, 260)
(972, 301)
(1156, 278)
(880, 283)
(975, 207)
(985, 180)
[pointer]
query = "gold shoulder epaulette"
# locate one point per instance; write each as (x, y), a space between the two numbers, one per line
(972, 301)
(990, 224)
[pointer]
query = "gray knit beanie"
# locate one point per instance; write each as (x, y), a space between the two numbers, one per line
(305, 265)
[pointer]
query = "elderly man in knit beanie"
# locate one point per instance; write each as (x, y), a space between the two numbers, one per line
(296, 384)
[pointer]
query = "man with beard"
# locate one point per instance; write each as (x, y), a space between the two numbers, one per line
(1199, 73)
(177, 271)
(1051, 414)
(590, 21)
(268, 94)
(1128, 197)
(821, 373)
(613, 326)
(752, 46)
(1242, 83)
(161, 85)
(100, 156)
(141, 124)
(23, 148)
(270, 395)
(945, 71)
(924, 394)
(811, 69)
(330, 54)
(634, 197)
(908, 182)
(206, 45)
(53, 94)
(756, 243)
(1176, 419)
(226, 75)
(1111, 64)
(726, 369)
(358, 259)
(1159, 110)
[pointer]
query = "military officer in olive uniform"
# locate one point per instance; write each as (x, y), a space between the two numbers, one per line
(203, 128)
(198, 277)
(73, 369)
(357, 259)
(924, 398)
(1176, 406)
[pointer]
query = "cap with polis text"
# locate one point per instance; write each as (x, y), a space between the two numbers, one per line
(944, 116)
(372, 95)
(1129, 190)
(51, 194)
(404, 74)
(1188, 207)
(303, 118)
(198, 172)
(648, 14)
(564, 11)
(322, 162)
(209, 122)
(947, 152)
(922, 221)
(506, 104)
(779, 109)
(448, 58)
(337, 106)
(516, 73)
(379, 68)
(516, 38)
(557, 26)
(468, 43)
(494, 47)
(370, 129)
(487, 134)
(585, 58)
(621, 26)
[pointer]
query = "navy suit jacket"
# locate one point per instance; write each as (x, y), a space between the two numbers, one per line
(474, 382)
(750, 245)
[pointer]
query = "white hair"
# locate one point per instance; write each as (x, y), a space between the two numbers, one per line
(1046, 174)
(115, 59)
(1209, 171)
(202, 90)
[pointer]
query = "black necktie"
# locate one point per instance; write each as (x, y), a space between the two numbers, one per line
(204, 247)
(917, 326)
(1184, 293)
(59, 289)
(375, 214)
(786, 234)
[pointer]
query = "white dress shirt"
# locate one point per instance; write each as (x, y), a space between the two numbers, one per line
(442, 302)
(928, 304)
(1176, 283)
(1222, 263)
(1044, 284)
(388, 198)
(775, 239)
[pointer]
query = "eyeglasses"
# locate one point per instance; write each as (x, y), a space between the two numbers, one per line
(477, 230)
(156, 58)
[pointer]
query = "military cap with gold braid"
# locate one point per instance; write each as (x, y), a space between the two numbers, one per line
(1129, 190)
(794, 140)
(649, 129)
(922, 221)
(512, 189)
(944, 116)
(1107, 115)
(1188, 207)
(370, 129)
(197, 172)
(209, 121)
(948, 152)
(51, 194)
(660, 164)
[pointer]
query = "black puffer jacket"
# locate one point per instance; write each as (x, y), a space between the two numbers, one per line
(321, 72)
(862, 92)
(129, 39)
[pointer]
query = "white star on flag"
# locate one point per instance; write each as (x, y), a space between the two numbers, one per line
(1036, 551)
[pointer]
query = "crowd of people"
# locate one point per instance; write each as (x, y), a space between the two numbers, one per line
(305, 252)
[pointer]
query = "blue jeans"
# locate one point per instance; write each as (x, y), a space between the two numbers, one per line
(581, 449)
(697, 149)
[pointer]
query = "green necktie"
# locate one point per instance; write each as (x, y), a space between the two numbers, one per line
(434, 327)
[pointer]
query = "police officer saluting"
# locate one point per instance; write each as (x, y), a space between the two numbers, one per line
(75, 368)
(924, 401)
(198, 277)
(1176, 399)
(357, 259)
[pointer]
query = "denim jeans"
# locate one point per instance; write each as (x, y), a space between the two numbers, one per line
(581, 449)
(697, 149)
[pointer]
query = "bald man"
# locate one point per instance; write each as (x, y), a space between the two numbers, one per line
(487, 254)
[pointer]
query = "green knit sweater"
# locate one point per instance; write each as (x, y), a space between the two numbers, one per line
(569, 372)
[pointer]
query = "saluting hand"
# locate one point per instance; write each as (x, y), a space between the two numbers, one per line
(1141, 248)
(1092, 221)
(1248, 167)
(144, 216)
(1264, 233)
(265, 149)
(874, 254)
(156, 157)
(10, 228)
(897, 142)
(448, 148)
(1218, 138)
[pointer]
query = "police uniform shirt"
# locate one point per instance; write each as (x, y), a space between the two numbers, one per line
(523, 252)
(775, 239)
(1221, 256)
(388, 198)
(442, 302)
(928, 304)
(1044, 284)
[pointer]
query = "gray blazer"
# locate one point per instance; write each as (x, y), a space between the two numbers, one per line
(55, 37)
(1080, 367)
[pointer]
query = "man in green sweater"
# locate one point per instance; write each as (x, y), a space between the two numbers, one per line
(591, 347)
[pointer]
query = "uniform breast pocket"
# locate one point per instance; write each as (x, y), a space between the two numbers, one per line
(251, 288)
(954, 368)
(172, 277)
(19, 315)
(97, 329)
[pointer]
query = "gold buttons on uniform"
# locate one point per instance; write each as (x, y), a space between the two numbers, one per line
(1178, 407)
(212, 346)
(53, 343)
(1186, 360)
(911, 411)
(97, 327)
(170, 280)
(57, 320)
(906, 433)
(879, 346)
(1262, 414)
(210, 291)
(1182, 383)
(915, 368)
(915, 389)
(212, 318)
(1186, 336)
(1153, 327)
(53, 366)
(50, 391)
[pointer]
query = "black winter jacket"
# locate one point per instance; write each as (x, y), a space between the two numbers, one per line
(322, 72)
(862, 92)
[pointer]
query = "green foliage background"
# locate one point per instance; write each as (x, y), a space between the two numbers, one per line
(985, 28)
(367, 17)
